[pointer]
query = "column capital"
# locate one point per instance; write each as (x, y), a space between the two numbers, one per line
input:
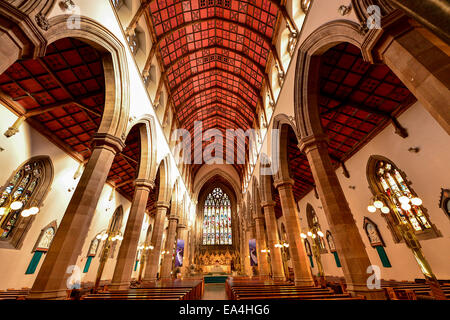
(283, 182)
(145, 183)
(269, 203)
(259, 217)
(162, 204)
(313, 141)
(181, 226)
(108, 140)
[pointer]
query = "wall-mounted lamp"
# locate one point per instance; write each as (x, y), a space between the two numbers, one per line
(344, 10)
(414, 149)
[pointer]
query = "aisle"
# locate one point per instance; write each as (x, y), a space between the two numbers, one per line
(215, 291)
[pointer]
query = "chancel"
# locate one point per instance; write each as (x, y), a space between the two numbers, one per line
(224, 149)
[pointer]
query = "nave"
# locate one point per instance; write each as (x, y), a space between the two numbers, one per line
(224, 149)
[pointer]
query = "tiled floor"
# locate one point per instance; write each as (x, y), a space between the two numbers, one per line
(215, 291)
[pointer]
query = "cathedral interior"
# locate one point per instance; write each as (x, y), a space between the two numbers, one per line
(224, 150)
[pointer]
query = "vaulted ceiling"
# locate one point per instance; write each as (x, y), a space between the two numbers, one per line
(214, 54)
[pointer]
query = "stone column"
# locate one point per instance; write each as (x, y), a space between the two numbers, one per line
(242, 248)
(51, 280)
(263, 265)
(127, 252)
(166, 266)
(349, 244)
(300, 262)
(421, 65)
(151, 269)
(273, 239)
(246, 258)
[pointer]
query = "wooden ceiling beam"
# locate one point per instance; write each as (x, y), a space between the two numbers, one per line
(240, 53)
(235, 94)
(255, 89)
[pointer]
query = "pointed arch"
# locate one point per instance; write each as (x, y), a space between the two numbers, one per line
(306, 84)
(283, 123)
(383, 175)
(117, 100)
(34, 177)
(165, 187)
(147, 132)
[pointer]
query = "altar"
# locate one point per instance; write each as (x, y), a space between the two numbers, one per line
(217, 269)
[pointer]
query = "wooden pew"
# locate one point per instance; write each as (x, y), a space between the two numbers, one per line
(14, 294)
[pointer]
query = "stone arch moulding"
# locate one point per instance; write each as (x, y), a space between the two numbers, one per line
(282, 123)
(147, 132)
(117, 100)
(165, 188)
(431, 233)
(228, 189)
(265, 178)
(198, 186)
(42, 7)
(306, 84)
(22, 226)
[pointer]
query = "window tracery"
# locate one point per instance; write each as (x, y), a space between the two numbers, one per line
(217, 219)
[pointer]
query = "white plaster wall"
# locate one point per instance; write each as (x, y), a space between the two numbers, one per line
(18, 149)
(428, 172)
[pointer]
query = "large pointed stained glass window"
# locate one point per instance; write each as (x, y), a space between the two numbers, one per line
(395, 187)
(217, 219)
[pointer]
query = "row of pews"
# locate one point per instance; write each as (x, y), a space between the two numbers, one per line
(412, 291)
(14, 294)
(158, 290)
(242, 288)
(397, 290)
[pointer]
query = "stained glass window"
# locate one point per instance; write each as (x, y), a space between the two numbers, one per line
(20, 188)
(394, 186)
(217, 219)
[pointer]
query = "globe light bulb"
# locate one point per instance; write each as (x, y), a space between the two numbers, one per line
(25, 213)
(104, 237)
(310, 233)
(403, 199)
(416, 201)
(385, 210)
(371, 208)
(99, 236)
(2, 211)
(406, 206)
(378, 204)
(303, 235)
(33, 210)
(320, 233)
(16, 205)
